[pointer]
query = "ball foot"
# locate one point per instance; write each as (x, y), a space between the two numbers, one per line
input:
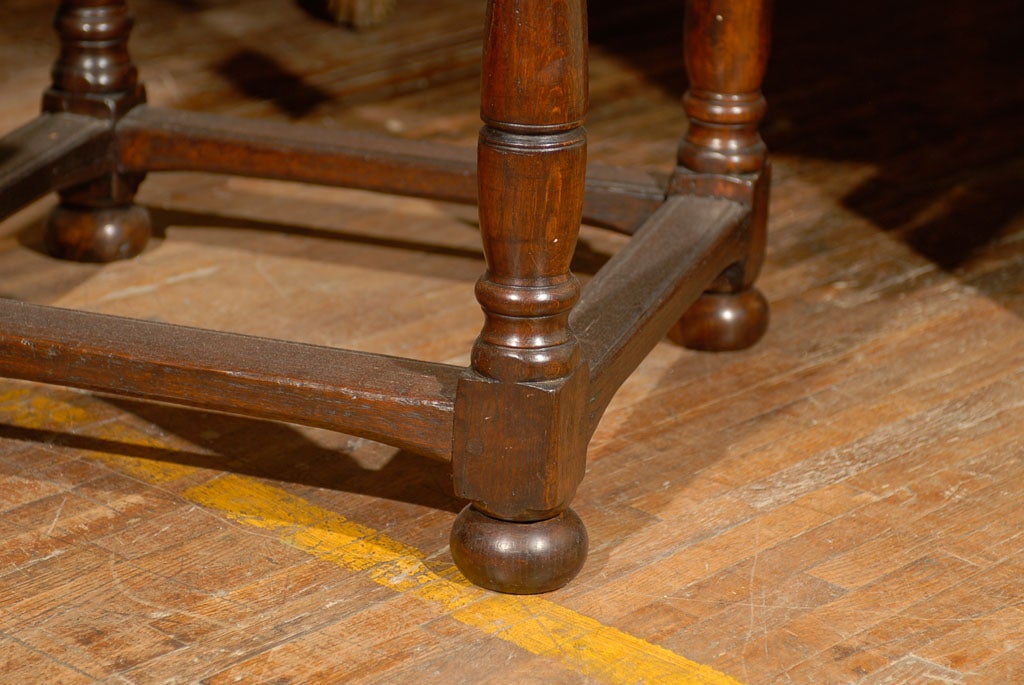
(518, 558)
(723, 322)
(103, 234)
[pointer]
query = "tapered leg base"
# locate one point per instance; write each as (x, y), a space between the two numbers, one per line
(97, 235)
(723, 322)
(518, 558)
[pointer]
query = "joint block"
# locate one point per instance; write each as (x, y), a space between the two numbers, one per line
(519, 449)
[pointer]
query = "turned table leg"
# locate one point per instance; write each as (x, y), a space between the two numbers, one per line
(520, 443)
(722, 153)
(94, 76)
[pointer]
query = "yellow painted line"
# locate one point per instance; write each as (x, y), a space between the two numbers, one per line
(535, 624)
(26, 407)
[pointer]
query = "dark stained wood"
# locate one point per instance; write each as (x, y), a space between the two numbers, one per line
(519, 451)
(727, 44)
(839, 504)
(723, 322)
(97, 234)
(94, 75)
(48, 153)
(524, 558)
(166, 140)
(726, 47)
(404, 402)
(633, 301)
(517, 422)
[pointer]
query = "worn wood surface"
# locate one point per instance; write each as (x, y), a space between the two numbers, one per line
(629, 297)
(518, 452)
(406, 402)
(150, 140)
(839, 504)
(39, 161)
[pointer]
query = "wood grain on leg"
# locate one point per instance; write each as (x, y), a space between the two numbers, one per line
(520, 445)
(94, 75)
(723, 154)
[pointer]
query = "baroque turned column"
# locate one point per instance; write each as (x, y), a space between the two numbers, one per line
(519, 444)
(94, 76)
(722, 154)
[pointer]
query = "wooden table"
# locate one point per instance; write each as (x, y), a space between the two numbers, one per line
(515, 424)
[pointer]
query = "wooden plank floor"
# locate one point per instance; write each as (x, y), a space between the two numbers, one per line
(840, 504)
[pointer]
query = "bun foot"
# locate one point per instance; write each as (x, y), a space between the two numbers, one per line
(102, 234)
(723, 322)
(518, 558)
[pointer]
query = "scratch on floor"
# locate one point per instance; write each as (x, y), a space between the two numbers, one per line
(539, 626)
(150, 288)
(53, 524)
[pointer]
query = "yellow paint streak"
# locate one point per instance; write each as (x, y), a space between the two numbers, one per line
(535, 624)
(27, 407)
